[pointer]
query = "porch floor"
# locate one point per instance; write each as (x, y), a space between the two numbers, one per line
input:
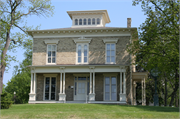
(79, 102)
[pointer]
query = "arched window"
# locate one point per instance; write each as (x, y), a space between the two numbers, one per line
(80, 21)
(98, 21)
(93, 21)
(84, 22)
(76, 22)
(89, 21)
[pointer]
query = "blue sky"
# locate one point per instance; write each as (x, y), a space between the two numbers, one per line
(118, 10)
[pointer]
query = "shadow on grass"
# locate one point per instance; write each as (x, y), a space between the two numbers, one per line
(147, 108)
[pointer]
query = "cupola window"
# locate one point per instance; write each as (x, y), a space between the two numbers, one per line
(98, 21)
(89, 21)
(76, 22)
(93, 21)
(84, 21)
(80, 21)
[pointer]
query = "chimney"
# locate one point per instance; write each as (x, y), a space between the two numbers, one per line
(128, 22)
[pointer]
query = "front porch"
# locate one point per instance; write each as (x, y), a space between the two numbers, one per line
(102, 84)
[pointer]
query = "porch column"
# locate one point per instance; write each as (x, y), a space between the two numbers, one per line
(90, 82)
(134, 96)
(61, 83)
(142, 92)
(124, 81)
(93, 82)
(31, 82)
(34, 83)
(92, 93)
(62, 95)
(64, 83)
(120, 82)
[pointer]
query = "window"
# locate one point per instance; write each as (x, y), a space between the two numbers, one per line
(80, 21)
(84, 23)
(50, 87)
(89, 21)
(93, 21)
(110, 92)
(76, 22)
(98, 21)
(51, 52)
(110, 53)
(82, 53)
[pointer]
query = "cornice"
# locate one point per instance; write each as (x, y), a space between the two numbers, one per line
(78, 30)
(55, 41)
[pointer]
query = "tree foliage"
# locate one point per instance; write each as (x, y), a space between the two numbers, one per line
(20, 82)
(13, 14)
(158, 43)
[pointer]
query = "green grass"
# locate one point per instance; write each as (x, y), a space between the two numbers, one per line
(87, 111)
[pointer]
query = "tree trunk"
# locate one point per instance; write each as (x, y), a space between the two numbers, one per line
(175, 89)
(165, 96)
(176, 103)
(3, 62)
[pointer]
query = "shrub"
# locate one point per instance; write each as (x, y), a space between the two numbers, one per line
(5, 100)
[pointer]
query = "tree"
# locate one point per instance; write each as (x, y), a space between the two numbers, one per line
(158, 43)
(12, 14)
(20, 82)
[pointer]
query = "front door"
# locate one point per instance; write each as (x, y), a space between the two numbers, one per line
(81, 88)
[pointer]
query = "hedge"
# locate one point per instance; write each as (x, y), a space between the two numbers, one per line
(6, 104)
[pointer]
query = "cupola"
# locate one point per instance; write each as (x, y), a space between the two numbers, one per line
(89, 18)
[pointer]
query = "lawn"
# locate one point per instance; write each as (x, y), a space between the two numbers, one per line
(87, 111)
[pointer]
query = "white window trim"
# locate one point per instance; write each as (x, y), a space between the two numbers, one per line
(49, 75)
(82, 53)
(109, 75)
(110, 41)
(47, 55)
(110, 55)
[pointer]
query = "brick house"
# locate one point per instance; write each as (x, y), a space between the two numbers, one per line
(87, 62)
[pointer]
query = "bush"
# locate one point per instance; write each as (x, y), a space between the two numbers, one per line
(5, 100)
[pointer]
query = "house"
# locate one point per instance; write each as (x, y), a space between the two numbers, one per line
(87, 62)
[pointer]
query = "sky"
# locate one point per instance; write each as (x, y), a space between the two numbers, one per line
(118, 10)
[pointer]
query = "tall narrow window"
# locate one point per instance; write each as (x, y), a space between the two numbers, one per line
(110, 53)
(110, 88)
(98, 21)
(79, 53)
(84, 22)
(76, 21)
(82, 53)
(51, 53)
(107, 88)
(80, 21)
(50, 88)
(93, 21)
(89, 21)
(85, 53)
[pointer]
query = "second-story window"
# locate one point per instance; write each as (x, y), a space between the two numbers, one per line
(82, 53)
(80, 21)
(76, 21)
(84, 22)
(51, 52)
(98, 21)
(110, 53)
(93, 21)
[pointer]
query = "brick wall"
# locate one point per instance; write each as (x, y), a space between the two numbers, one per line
(66, 51)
